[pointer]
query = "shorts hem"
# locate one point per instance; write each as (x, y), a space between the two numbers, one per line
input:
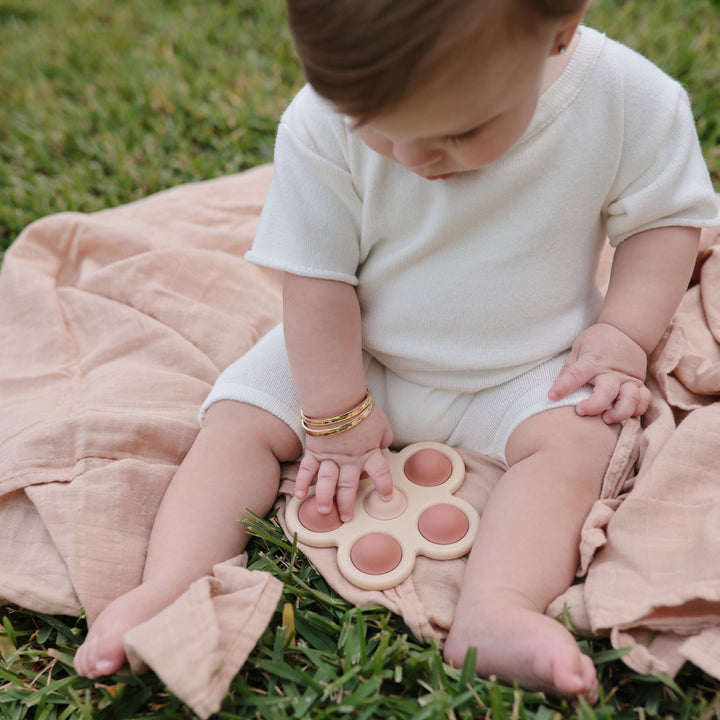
(251, 396)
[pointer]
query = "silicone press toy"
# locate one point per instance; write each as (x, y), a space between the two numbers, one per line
(378, 547)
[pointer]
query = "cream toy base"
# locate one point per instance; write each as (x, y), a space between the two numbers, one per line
(378, 547)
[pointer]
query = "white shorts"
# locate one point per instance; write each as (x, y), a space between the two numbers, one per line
(481, 421)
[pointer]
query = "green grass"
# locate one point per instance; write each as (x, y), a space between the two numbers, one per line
(683, 38)
(321, 658)
(106, 101)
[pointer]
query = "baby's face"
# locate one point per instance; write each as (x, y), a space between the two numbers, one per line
(467, 120)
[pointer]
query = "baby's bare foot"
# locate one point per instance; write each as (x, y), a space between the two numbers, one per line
(103, 652)
(523, 646)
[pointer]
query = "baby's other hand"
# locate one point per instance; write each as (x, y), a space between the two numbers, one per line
(337, 461)
(615, 365)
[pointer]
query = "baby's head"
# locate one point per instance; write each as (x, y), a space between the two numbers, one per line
(424, 80)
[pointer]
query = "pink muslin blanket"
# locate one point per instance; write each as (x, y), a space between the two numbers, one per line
(113, 327)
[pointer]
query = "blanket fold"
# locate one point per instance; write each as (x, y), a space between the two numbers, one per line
(113, 327)
(198, 643)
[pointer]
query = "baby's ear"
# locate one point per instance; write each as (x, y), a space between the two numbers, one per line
(568, 28)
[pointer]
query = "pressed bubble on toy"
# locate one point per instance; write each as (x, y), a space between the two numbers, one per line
(376, 550)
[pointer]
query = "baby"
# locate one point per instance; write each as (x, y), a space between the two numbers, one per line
(443, 187)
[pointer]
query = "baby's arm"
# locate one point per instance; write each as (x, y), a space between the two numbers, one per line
(323, 339)
(650, 274)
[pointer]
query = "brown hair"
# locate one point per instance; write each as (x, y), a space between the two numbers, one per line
(367, 55)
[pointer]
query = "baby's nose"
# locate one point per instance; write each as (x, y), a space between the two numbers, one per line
(415, 154)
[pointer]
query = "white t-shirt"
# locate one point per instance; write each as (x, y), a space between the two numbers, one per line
(468, 282)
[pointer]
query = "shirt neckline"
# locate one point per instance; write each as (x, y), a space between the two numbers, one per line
(567, 87)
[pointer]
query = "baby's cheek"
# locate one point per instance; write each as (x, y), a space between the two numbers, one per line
(375, 142)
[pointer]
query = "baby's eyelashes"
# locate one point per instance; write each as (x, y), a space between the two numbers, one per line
(463, 137)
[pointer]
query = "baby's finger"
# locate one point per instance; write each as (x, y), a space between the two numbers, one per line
(605, 391)
(572, 377)
(327, 479)
(347, 486)
(306, 473)
(377, 468)
(624, 405)
(632, 401)
(387, 438)
(645, 400)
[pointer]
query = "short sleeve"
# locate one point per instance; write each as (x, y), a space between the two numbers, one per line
(663, 179)
(310, 224)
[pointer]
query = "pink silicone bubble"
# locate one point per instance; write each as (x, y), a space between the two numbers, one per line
(443, 524)
(311, 518)
(376, 506)
(428, 467)
(376, 553)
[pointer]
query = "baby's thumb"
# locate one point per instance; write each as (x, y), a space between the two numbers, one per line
(387, 438)
(571, 377)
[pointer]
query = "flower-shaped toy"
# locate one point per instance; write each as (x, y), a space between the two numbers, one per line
(377, 548)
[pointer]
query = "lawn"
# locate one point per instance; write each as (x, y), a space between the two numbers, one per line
(108, 101)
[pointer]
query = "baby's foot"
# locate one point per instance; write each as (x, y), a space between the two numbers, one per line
(523, 646)
(103, 652)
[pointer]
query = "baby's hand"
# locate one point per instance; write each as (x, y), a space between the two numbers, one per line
(615, 365)
(338, 461)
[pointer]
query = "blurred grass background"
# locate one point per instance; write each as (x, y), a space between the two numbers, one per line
(106, 101)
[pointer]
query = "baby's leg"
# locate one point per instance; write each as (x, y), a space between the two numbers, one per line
(233, 465)
(526, 553)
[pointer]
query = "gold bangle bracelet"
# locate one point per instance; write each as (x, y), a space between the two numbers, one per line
(335, 429)
(360, 408)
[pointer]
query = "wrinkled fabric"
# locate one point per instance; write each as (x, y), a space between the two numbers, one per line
(113, 328)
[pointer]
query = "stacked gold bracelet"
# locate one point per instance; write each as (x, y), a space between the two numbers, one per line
(340, 423)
